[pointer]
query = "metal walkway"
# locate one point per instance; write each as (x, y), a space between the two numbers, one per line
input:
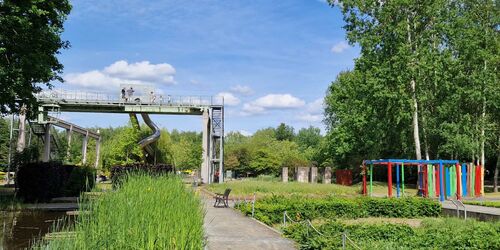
(210, 108)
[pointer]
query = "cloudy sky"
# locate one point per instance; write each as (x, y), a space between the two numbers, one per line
(271, 60)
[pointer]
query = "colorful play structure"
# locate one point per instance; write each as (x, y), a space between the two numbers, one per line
(441, 179)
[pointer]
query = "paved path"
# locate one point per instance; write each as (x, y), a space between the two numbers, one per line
(474, 208)
(226, 228)
(482, 212)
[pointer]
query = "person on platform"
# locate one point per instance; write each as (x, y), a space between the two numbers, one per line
(123, 95)
(130, 93)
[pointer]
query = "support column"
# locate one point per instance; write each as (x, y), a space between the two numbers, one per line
(314, 175)
(205, 164)
(46, 145)
(221, 150)
(97, 150)
(84, 148)
(327, 176)
(69, 133)
(441, 182)
(21, 140)
(284, 174)
(389, 180)
(303, 174)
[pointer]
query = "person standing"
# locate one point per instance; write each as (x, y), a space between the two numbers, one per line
(152, 97)
(130, 93)
(123, 94)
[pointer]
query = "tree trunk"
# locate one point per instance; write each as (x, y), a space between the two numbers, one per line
(483, 119)
(413, 86)
(497, 168)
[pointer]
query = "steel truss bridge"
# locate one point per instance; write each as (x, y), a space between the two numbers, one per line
(210, 108)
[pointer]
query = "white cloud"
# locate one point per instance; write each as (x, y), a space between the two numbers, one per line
(143, 71)
(316, 106)
(340, 47)
(241, 89)
(121, 72)
(309, 118)
(244, 132)
(229, 98)
(314, 112)
(278, 101)
(272, 101)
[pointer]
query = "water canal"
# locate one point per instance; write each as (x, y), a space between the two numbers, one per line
(21, 228)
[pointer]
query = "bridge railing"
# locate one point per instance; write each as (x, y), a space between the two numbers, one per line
(103, 98)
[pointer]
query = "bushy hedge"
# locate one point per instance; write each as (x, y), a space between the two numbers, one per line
(433, 233)
(270, 210)
(42, 181)
(121, 171)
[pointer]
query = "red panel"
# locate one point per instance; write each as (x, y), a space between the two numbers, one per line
(344, 177)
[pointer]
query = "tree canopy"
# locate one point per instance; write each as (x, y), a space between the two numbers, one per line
(30, 33)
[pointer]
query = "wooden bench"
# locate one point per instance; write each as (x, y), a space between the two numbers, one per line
(222, 198)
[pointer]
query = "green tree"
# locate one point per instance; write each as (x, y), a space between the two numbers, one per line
(284, 132)
(29, 43)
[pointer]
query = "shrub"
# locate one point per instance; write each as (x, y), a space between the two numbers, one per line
(270, 210)
(122, 171)
(42, 181)
(434, 233)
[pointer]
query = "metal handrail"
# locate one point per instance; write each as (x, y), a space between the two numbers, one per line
(161, 100)
(465, 209)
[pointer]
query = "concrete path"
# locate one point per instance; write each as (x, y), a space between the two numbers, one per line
(226, 228)
(479, 212)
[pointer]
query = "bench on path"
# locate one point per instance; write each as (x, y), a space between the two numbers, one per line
(222, 198)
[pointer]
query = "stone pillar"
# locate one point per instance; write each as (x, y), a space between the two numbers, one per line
(46, 145)
(302, 174)
(314, 175)
(69, 134)
(284, 174)
(21, 140)
(84, 148)
(205, 164)
(97, 149)
(327, 176)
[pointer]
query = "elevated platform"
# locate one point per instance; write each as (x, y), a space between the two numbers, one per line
(64, 101)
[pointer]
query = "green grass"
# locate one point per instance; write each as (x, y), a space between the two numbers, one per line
(484, 203)
(144, 213)
(264, 188)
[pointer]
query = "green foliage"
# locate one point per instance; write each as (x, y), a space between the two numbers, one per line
(439, 233)
(284, 132)
(484, 203)
(268, 150)
(145, 213)
(425, 67)
(186, 150)
(270, 209)
(30, 41)
(122, 147)
(120, 173)
(4, 140)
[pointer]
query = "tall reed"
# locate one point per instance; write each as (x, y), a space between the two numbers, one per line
(144, 213)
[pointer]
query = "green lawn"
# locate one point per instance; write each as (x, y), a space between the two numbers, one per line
(484, 203)
(263, 188)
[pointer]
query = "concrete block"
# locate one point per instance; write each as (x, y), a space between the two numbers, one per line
(313, 178)
(327, 175)
(284, 174)
(302, 174)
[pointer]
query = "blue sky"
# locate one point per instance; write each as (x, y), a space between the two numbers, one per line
(271, 60)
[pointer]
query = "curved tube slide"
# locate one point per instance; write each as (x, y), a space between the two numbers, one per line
(145, 143)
